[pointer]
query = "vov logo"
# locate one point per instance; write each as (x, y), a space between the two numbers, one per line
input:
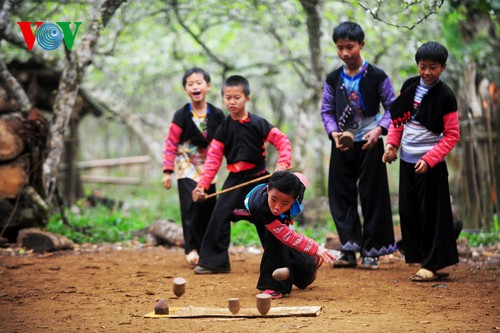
(49, 35)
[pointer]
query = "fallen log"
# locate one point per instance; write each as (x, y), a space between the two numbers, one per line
(43, 241)
(167, 232)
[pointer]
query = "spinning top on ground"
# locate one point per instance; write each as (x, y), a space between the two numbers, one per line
(346, 139)
(281, 274)
(263, 302)
(179, 285)
(233, 304)
(161, 307)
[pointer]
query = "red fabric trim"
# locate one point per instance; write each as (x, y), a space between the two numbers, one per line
(451, 136)
(292, 239)
(282, 144)
(171, 144)
(240, 166)
(394, 135)
(212, 164)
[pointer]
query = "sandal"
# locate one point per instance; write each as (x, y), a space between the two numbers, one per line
(425, 275)
(274, 294)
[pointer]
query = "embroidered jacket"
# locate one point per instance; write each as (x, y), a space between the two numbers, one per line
(375, 88)
(182, 129)
(243, 145)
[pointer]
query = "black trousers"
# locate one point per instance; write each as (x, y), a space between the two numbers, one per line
(214, 248)
(426, 219)
(194, 215)
(277, 255)
(362, 173)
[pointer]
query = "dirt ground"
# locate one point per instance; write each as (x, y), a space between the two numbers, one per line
(111, 288)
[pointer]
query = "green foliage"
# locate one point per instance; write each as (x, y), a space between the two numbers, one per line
(141, 206)
(484, 237)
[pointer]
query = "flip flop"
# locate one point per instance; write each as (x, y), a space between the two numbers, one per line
(274, 294)
(425, 275)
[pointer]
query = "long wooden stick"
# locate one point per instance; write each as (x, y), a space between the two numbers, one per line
(229, 189)
(197, 198)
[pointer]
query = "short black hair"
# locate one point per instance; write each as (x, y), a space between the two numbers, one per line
(432, 51)
(287, 183)
(348, 30)
(236, 81)
(193, 70)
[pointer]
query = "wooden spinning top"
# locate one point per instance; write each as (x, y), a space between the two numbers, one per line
(263, 303)
(346, 139)
(233, 304)
(179, 286)
(281, 274)
(161, 307)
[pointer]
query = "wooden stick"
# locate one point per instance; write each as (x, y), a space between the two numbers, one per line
(197, 197)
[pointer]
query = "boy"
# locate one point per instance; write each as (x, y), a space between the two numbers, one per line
(351, 102)
(241, 139)
(186, 145)
(425, 126)
(275, 206)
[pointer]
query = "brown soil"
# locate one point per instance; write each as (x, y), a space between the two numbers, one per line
(110, 289)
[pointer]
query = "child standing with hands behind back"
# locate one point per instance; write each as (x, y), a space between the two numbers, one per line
(186, 146)
(425, 126)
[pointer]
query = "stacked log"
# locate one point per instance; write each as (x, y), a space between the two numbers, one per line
(22, 151)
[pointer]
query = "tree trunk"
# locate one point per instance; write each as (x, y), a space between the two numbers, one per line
(71, 79)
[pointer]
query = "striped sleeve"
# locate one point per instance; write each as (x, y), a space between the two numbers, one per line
(171, 145)
(282, 144)
(451, 136)
(394, 135)
(212, 164)
(292, 239)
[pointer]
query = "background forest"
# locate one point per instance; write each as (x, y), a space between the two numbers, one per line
(117, 88)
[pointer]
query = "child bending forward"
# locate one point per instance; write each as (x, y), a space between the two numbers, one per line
(274, 206)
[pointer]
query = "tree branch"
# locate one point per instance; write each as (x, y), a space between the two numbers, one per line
(14, 87)
(434, 9)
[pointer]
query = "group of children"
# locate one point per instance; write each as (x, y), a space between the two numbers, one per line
(422, 121)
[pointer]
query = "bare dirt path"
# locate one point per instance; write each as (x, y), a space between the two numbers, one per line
(112, 289)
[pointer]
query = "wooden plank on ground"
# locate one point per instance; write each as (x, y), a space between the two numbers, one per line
(199, 312)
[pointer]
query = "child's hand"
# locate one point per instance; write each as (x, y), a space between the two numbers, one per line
(390, 154)
(323, 253)
(167, 181)
(421, 167)
(335, 136)
(371, 137)
(198, 194)
(280, 167)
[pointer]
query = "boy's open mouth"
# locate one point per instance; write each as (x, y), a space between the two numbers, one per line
(196, 93)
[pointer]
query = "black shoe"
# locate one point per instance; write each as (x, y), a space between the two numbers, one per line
(369, 262)
(348, 260)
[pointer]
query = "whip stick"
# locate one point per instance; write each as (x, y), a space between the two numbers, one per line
(196, 197)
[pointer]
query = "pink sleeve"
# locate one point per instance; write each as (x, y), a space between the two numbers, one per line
(212, 163)
(292, 239)
(171, 145)
(451, 135)
(282, 144)
(394, 135)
